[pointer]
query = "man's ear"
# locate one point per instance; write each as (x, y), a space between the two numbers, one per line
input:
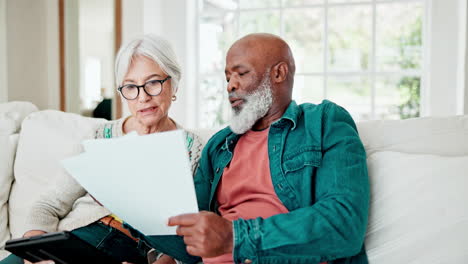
(280, 72)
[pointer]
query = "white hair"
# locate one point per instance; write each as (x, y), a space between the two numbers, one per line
(153, 47)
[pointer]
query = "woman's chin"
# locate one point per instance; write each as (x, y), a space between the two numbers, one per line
(149, 120)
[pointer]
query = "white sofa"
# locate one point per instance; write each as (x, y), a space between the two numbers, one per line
(418, 170)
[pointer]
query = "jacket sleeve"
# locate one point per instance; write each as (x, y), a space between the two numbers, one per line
(334, 226)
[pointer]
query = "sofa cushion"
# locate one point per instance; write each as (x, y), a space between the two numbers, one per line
(446, 136)
(14, 112)
(7, 125)
(7, 152)
(418, 209)
(46, 137)
(11, 116)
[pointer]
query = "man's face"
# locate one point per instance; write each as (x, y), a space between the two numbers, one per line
(243, 75)
(249, 92)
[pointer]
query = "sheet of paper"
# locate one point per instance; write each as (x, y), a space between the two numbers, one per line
(142, 179)
(101, 144)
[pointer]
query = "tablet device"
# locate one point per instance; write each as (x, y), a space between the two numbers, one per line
(61, 247)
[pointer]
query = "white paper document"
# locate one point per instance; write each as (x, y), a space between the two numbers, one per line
(142, 179)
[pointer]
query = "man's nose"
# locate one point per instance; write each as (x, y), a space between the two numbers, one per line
(232, 85)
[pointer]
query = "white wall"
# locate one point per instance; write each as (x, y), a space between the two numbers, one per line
(3, 54)
(132, 19)
(72, 57)
(463, 108)
(32, 60)
(53, 55)
(27, 60)
(446, 74)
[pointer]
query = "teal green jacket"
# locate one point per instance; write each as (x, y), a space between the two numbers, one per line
(319, 172)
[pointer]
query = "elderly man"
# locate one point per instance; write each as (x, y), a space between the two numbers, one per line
(284, 183)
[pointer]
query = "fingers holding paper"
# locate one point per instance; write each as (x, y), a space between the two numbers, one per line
(206, 234)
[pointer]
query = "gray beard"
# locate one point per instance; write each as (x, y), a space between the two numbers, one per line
(255, 106)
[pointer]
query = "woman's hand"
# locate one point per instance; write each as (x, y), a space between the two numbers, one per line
(31, 233)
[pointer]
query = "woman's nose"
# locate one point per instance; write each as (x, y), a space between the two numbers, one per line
(143, 97)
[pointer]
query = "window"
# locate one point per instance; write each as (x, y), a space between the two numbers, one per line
(365, 55)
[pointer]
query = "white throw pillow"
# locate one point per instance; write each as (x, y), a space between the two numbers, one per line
(46, 137)
(7, 156)
(445, 136)
(15, 112)
(7, 125)
(419, 210)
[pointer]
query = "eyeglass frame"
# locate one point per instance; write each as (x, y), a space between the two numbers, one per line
(143, 86)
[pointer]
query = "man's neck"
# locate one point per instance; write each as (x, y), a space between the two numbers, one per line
(275, 113)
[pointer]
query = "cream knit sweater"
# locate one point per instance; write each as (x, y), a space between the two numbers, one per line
(67, 206)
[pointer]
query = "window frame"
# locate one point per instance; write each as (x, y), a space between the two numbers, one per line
(372, 73)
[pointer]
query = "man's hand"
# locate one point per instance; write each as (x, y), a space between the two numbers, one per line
(165, 259)
(206, 234)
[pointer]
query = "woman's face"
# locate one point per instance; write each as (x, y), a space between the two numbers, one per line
(148, 110)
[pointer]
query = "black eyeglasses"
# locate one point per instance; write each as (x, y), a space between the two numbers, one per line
(151, 88)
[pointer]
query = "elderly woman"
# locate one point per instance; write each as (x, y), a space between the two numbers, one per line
(147, 74)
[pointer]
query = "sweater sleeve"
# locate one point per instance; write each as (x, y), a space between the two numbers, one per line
(194, 146)
(54, 204)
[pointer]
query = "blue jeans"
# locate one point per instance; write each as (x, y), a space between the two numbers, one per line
(108, 240)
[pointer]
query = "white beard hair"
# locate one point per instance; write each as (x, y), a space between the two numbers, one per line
(255, 106)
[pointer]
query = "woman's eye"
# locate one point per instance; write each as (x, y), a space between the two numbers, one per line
(243, 73)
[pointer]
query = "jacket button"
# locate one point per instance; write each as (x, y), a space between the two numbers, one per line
(248, 261)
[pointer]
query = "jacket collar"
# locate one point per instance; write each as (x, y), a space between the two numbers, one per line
(290, 115)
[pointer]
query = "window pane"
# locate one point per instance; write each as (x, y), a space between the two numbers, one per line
(348, 1)
(308, 89)
(258, 3)
(287, 3)
(397, 97)
(259, 21)
(399, 36)
(303, 30)
(353, 93)
(217, 33)
(350, 30)
(213, 102)
(210, 7)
